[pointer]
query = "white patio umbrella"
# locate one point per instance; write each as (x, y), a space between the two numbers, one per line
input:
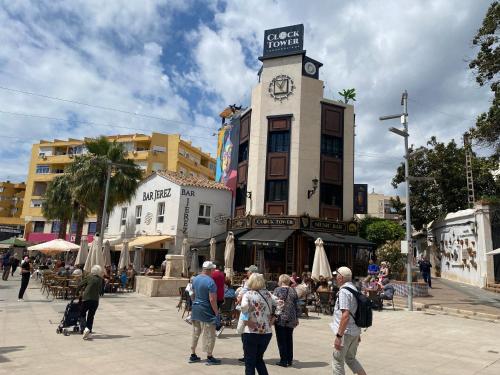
(124, 257)
(95, 256)
(321, 267)
(229, 255)
(53, 247)
(184, 252)
(106, 252)
(493, 252)
(194, 262)
(213, 245)
(137, 259)
(83, 252)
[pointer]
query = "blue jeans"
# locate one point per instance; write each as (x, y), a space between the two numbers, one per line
(427, 278)
(254, 347)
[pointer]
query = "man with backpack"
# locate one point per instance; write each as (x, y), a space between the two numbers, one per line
(347, 332)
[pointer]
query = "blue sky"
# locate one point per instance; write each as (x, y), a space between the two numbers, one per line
(182, 62)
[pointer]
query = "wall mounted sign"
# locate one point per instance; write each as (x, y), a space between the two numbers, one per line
(360, 198)
(156, 194)
(148, 218)
(283, 41)
(281, 87)
(189, 193)
(185, 221)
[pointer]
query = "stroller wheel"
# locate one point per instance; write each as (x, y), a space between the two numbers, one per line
(58, 330)
(65, 332)
(76, 329)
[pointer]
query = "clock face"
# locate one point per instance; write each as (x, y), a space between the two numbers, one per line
(281, 87)
(310, 68)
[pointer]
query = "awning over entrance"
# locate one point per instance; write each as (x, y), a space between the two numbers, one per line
(266, 235)
(339, 238)
(146, 241)
(220, 238)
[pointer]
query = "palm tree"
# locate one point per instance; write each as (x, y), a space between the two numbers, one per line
(348, 94)
(57, 203)
(89, 172)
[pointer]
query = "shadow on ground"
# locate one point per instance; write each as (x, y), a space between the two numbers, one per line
(9, 349)
(108, 337)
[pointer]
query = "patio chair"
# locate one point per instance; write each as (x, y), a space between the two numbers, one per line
(227, 310)
(182, 296)
(324, 302)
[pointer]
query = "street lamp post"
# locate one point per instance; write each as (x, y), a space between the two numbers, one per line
(404, 133)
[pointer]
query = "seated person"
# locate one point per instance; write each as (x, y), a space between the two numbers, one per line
(373, 268)
(229, 291)
(130, 276)
(384, 271)
(150, 271)
(77, 271)
(387, 293)
(63, 270)
(123, 278)
(323, 286)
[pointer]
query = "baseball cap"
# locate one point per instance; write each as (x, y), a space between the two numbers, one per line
(253, 269)
(344, 271)
(207, 265)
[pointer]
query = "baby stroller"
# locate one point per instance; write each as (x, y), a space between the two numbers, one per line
(70, 318)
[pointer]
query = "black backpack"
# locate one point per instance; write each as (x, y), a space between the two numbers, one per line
(364, 315)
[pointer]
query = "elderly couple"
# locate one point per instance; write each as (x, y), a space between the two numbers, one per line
(257, 311)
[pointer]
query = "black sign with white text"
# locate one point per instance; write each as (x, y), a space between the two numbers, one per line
(283, 41)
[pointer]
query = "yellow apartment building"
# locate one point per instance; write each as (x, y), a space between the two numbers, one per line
(11, 204)
(151, 152)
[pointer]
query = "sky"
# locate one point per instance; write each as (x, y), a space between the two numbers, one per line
(138, 66)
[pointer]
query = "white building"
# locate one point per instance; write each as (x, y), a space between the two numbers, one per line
(169, 207)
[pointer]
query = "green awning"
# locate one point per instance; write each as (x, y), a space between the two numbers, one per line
(14, 242)
(266, 235)
(339, 238)
(219, 238)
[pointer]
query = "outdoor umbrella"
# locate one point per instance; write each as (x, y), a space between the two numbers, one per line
(229, 255)
(53, 247)
(124, 257)
(184, 252)
(213, 245)
(194, 262)
(83, 252)
(137, 259)
(321, 267)
(95, 256)
(107, 253)
(493, 252)
(13, 242)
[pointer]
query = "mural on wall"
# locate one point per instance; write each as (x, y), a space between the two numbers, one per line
(227, 154)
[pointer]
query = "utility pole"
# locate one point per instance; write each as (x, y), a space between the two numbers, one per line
(404, 133)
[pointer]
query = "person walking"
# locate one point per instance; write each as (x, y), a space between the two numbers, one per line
(14, 264)
(7, 259)
(204, 314)
(425, 270)
(25, 277)
(347, 333)
(258, 304)
(219, 279)
(91, 286)
(287, 312)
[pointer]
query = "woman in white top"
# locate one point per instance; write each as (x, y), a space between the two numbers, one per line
(259, 305)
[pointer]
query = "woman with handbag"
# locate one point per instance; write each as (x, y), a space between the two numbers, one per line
(258, 303)
(287, 313)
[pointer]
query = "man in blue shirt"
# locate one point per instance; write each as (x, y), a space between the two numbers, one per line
(373, 268)
(204, 314)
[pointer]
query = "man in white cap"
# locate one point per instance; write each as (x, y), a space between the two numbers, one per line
(347, 333)
(204, 314)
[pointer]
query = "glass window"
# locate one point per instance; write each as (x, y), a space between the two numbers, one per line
(204, 214)
(38, 227)
(279, 141)
(56, 226)
(73, 227)
(277, 190)
(138, 214)
(241, 196)
(331, 195)
(42, 169)
(160, 217)
(331, 145)
(123, 219)
(92, 228)
(243, 152)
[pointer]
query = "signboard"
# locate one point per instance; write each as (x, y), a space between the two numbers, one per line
(404, 247)
(283, 41)
(327, 225)
(282, 222)
(360, 198)
(227, 154)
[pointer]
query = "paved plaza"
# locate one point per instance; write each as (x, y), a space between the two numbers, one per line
(135, 334)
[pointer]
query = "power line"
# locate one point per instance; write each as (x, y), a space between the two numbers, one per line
(102, 107)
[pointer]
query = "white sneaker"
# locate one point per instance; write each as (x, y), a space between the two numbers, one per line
(217, 333)
(86, 334)
(20, 300)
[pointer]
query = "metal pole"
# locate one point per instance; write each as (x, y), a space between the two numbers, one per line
(404, 102)
(104, 211)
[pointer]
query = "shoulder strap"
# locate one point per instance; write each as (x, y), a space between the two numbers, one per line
(267, 303)
(355, 293)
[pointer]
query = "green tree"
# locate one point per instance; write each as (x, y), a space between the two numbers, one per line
(486, 66)
(57, 204)
(379, 232)
(446, 163)
(398, 206)
(88, 173)
(391, 252)
(348, 94)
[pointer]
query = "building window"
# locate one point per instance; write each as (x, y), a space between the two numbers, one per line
(277, 190)
(138, 214)
(243, 152)
(42, 169)
(56, 226)
(39, 226)
(331, 195)
(331, 145)
(123, 219)
(279, 141)
(160, 217)
(37, 203)
(241, 196)
(204, 214)
(74, 225)
(92, 228)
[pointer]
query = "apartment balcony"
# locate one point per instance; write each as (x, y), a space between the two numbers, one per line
(139, 155)
(55, 159)
(45, 177)
(193, 165)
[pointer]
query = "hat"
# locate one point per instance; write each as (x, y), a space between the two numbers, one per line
(344, 272)
(253, 269)
(151, 266)
(207, 265)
